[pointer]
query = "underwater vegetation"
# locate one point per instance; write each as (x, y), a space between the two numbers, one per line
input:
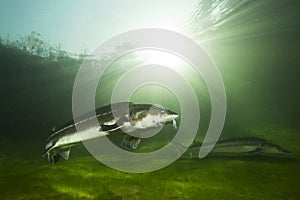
(28, 176)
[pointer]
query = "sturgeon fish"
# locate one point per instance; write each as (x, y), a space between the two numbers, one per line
(137, 117)
(240, 146)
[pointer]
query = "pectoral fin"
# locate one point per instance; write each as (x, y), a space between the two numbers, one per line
(65, 153)
(130, 142)
(255, 151)
(109, 127)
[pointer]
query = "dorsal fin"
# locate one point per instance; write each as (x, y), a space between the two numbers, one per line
(53, 129)
(130, 142)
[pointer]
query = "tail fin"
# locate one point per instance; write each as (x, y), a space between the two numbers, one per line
(53, 156)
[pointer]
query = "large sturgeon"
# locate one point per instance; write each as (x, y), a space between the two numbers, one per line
(137, 117)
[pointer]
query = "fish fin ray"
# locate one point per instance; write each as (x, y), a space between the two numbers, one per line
(53, 158)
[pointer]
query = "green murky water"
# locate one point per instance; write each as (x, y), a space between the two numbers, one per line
(254, 45)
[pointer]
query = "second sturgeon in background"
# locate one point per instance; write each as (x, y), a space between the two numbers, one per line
(239, 146)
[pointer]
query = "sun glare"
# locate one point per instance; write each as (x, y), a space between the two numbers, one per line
(160, 57)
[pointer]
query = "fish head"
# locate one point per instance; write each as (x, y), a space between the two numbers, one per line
(270, 148)
(150, 116)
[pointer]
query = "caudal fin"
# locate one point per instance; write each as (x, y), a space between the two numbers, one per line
(53, 156)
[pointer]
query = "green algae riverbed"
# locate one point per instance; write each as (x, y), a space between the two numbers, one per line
(24, 175)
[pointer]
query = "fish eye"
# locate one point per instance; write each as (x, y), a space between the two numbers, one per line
(162, 111)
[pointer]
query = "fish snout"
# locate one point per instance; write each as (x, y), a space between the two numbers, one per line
(172, 115)
(170, 112)
(287, 152)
